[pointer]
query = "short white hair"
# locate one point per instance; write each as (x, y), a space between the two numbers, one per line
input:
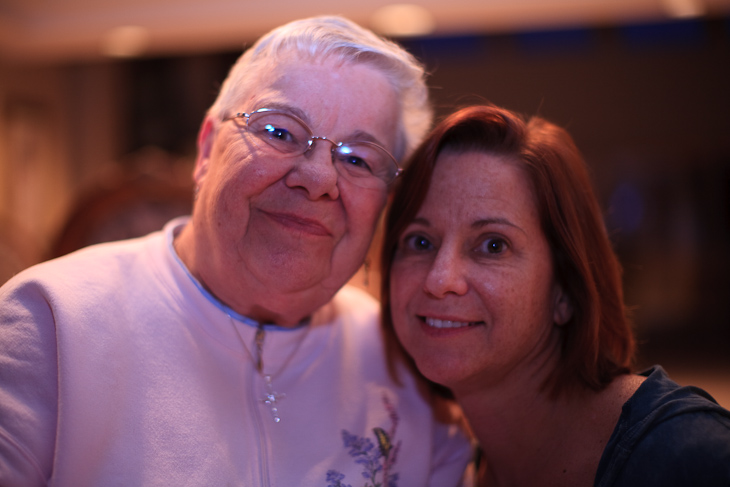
(325, 36)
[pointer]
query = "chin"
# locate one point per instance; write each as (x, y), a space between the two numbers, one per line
(439, 373)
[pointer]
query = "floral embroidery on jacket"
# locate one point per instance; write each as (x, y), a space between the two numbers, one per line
(377, 461)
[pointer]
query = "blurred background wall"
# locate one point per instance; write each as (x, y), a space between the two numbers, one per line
(100, 103)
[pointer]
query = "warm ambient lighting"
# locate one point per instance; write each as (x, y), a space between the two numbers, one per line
(683, 9)
(126, 41)
(402, 20)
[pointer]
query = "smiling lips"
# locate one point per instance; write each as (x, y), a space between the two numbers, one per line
(436, 323)
(305, 225)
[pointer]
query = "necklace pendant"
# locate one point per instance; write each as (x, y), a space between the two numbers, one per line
(271, 398)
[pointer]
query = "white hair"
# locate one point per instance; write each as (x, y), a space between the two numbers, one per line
(319, 37)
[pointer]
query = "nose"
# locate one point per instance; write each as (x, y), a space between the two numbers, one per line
(446, 275)
(315, 173)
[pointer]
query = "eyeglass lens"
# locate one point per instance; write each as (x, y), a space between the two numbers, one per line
(362, 163)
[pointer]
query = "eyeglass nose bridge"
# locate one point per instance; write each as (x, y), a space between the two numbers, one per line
(314, 138)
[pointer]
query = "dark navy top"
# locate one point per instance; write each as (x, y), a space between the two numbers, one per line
(667, 436)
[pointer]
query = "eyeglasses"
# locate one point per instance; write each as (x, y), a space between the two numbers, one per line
(363, 163)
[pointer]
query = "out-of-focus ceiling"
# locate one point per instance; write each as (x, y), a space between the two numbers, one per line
(64, 30)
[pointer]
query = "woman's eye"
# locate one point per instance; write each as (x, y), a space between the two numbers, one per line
(358, 162)
(418, 243)
(493, 246)
(278, 133)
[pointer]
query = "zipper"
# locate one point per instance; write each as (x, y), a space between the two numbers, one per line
(254, 401)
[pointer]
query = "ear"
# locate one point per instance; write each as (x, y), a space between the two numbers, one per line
(205, 145)
(562, 306)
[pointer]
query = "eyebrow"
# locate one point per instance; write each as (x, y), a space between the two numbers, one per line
(364, 136)
(490, 221)
(286, 108)
(477, 224)
(498, 221)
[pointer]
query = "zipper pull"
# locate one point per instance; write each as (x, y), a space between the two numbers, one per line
(260, 334)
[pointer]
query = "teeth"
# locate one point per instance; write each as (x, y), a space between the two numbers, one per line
(446, 323)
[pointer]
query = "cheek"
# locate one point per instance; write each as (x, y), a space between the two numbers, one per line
(362, 206)
(406, 280)
(542, 290)
(244, 171)
(228, 203)
(519, 303)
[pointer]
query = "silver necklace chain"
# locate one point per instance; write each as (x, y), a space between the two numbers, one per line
(271, 397)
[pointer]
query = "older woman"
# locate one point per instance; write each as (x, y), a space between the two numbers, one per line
(221, 351)
(503, 287)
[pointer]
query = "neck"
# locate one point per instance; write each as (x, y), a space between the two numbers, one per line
(529, 438)
(253, 300)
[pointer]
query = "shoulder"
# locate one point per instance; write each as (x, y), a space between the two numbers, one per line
(660, 400)
(680, 431)
(78, 271)
(351, 295)
(354, 306)
(686, 449)
(81, 289)
(355, 316)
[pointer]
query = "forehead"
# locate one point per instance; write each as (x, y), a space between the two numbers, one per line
(474, 184)
(329, 82)
(332, 96)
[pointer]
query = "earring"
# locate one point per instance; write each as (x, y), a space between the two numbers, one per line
(366, 279)
(196, 190)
